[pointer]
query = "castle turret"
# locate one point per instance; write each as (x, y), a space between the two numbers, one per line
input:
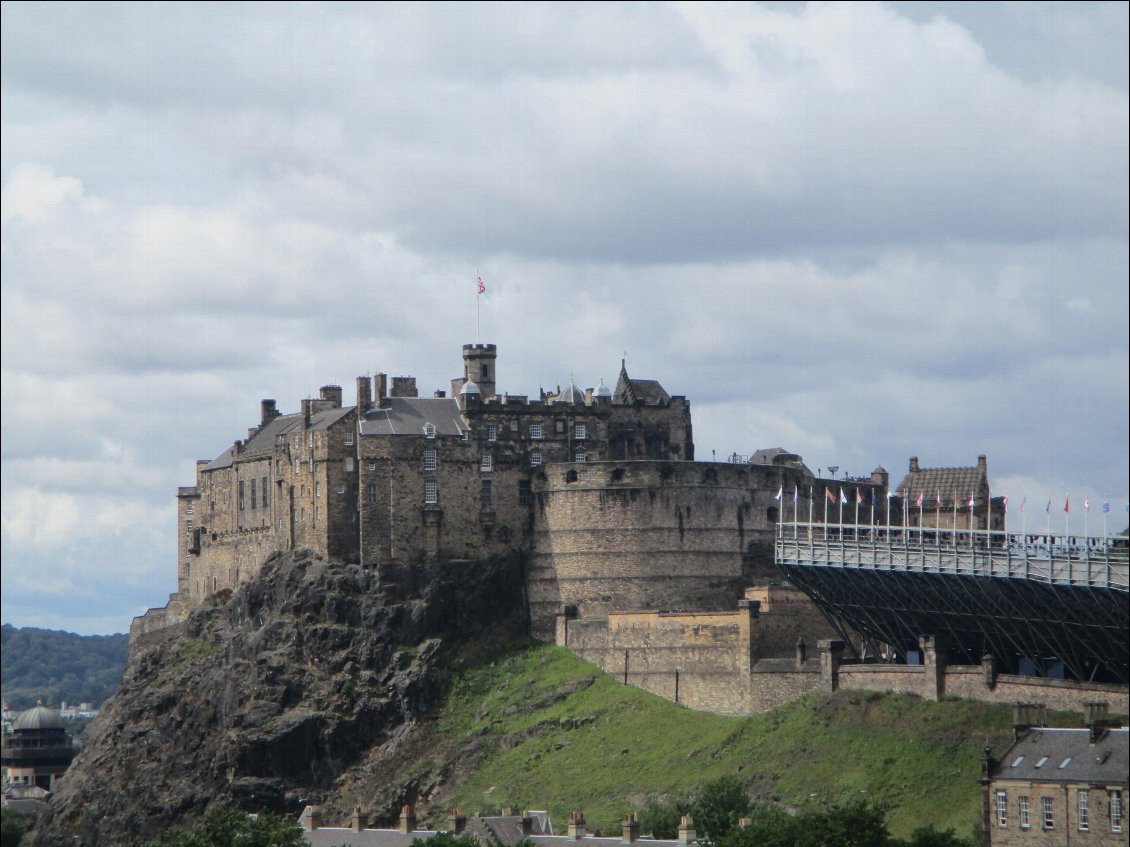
(478, 367)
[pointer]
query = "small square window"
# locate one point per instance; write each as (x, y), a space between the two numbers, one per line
(535, 432)
(188, 525)
(341, 488)
(431, 491)
(465, 435)
(349, 464)
(372, 466)
(486, 462)
(349, 437)
(429, 430)
(579, 432)
(535, 457)
(581, 457)
(188, 507)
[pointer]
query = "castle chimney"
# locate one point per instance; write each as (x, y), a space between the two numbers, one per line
(407, 820)
(914, 464)
(267, 411)
(359, 821)
(982, 463)
(307, 409)
(801, 652)
(364, 394)
(576, 830)
(506, 811)
(527, 823)
(1095, 717)
(1025, 716)
(439, 393)
(380, 389)
(331, 393)
(686, 830)
(404, 386)
(236, 446)
(456, 822)
(311, 819)
(630, 829)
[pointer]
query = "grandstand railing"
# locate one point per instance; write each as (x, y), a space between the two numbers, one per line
(1077, 560)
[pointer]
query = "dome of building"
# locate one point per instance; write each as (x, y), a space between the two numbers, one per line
(469, 387)
(39, 718)
(572, 394)
(603, 390)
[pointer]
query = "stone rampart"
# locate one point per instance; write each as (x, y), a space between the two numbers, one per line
(650, 535)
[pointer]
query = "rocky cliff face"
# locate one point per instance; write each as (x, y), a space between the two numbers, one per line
(280, 695)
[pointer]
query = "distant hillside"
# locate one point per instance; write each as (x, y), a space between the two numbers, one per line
(55, 666)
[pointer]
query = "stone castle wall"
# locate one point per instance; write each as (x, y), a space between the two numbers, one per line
(652, 535)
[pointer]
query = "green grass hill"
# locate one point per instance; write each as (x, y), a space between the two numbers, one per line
(55, 666)
(541, 729)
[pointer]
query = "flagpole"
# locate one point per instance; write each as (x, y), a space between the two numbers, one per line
(1106, 508)
(1066, 515)
(954, 519)
(1049, 513)
(857, 506)
(478, 300)
(825, 506)
(1086, 512)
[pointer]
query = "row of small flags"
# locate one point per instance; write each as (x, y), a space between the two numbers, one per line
(938, 501)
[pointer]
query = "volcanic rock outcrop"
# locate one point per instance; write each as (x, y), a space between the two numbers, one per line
(268, 696)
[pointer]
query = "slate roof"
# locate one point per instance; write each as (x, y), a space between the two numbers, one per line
(647, 391)
(1067, 755)
(263, 442)
(407, 416)
(947, 482)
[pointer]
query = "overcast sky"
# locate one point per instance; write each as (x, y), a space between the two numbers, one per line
(860, 232)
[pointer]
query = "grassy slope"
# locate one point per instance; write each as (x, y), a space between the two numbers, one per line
(922, 758)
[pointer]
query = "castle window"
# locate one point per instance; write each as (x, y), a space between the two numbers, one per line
(310, 441)
(349, 436)
(465, 435)
(341, 488)
(486, 462)
(430, 459)
(1049, 814)
(1116, 810)
(484, 494)
(371, 493)
(349, 464)
(580, 457)
(571, 476)
(311, 464)
(535, 457)
(254, 497)
(579, 432)
(1002, 808)
(317, 489)
(535, 432)
(266, 494)
(297, 466)
(524, 496)
(486, 371)
(1025, 820)
(188, 507)
(241, 495)
(492, 432)
(297, 441)
(372, 466)
(1081, 800)
(429, 430)
(317, 511)
(431, 491)
(188, 525)
(559, 427)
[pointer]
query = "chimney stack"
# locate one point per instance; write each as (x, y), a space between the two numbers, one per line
(359, 821)
(1095, 716)
(576, 828)
(456, 822)
(267, 411)
(630, 829)
(380, 389)
(686, 830)
(527, 824)
(914, 464)
(1025, 716)
(407, 820)
(332, 393)
(364, 394)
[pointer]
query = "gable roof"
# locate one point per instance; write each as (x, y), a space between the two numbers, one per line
(946, 482)
(262, 443)
(631, 391)
(407, 416)
(1067, 755)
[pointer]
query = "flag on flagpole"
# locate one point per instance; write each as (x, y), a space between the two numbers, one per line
(843, 497)
(780, 493)
(972, 501)
(918, 502)
(831, 496)
(1087, 502)
(1023, 502)
(1106, 505)
(1004, 503)
(858, 496)
(938, 500)
(796, 493)
(482, 286)
(1066, 503)
(1048, 508)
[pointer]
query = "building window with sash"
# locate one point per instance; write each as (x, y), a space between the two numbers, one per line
(431, 491)
(1002, 809)
(1049, 813)
(1025, 819)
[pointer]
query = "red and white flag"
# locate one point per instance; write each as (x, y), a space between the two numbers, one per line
(482, 286)
(918, 502)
